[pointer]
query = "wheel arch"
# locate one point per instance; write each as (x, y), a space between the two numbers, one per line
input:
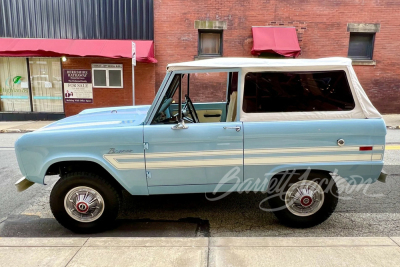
(63, 167)
(301, 170)
(287, 173)
(352, 172)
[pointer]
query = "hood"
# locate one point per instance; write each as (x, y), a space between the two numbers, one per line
(102, 117)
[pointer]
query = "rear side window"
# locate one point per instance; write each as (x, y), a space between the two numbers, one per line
(297, 92)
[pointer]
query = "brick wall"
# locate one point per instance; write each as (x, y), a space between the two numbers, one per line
(108, 97)
(204, 82)
(322, 32)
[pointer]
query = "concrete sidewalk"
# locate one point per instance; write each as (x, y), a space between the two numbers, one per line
(392, 121)
(21, 126)
(214, 251)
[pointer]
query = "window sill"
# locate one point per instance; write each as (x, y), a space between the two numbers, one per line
(107, 87)
(206, 57)
(364, 62)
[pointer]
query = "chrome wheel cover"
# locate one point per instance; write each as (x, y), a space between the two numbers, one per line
(84, 204)
(304, 198)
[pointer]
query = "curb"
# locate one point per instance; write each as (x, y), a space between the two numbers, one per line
(393, 127)
(17, 131)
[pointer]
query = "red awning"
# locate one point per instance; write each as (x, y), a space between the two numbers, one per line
(278, 40)
(18, 47)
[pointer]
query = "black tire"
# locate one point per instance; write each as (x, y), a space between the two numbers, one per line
(111, 198)
(279, 186)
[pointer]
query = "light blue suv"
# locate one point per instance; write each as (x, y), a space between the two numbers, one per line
(285, 128)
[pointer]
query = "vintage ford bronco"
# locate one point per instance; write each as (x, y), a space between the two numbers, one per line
(290, 126)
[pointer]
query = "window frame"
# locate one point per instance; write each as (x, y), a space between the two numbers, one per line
(168, 79)
(370, 53)
(107, 68)
(221, 37)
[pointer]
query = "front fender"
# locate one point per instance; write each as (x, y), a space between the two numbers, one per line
(135, 185)
(37, 151)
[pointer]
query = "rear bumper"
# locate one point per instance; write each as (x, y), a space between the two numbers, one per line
(382, 177)
(23, 184)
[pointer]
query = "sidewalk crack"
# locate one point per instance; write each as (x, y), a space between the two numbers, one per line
(3, 219)
(394, 241)
(208, 251)
(77, 252)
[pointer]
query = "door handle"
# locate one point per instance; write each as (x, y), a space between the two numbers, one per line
(212, 115)
(237, 128)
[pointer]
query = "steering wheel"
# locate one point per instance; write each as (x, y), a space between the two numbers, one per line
(190, 108)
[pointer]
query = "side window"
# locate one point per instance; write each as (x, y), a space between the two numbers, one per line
(204, 97)
(297, 92)
(206, 87)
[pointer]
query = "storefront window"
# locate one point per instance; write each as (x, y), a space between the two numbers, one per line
(46, 84)
(14, 86)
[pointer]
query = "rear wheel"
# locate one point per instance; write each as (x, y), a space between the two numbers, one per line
(303, 200)
(85, 202)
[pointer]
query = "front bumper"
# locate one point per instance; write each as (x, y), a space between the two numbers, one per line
(23, 184)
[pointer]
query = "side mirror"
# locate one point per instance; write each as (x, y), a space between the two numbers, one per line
(179, 126)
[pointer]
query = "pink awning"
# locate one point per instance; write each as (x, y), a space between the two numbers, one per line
(280, 40)
(29, 47)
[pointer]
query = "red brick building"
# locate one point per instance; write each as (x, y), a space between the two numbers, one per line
(185, 30)
(109, 97)
(58, 58)
(324, 29)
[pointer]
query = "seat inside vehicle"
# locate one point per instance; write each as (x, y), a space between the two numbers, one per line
(232, 108)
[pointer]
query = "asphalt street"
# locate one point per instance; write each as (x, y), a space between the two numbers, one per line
(368, 210)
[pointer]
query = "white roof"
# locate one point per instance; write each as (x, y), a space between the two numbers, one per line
(363, 109)
(245, 62)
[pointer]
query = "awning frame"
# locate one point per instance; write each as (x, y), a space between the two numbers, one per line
(35, 47)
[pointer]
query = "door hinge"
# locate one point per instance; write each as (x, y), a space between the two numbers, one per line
(146, 145)
(148, 175)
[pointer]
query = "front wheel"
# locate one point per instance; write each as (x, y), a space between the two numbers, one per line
(84, 202)
(303, 199)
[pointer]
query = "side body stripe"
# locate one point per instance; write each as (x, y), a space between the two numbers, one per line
(185, 159)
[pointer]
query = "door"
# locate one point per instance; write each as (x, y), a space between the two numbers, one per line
(201, 153)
